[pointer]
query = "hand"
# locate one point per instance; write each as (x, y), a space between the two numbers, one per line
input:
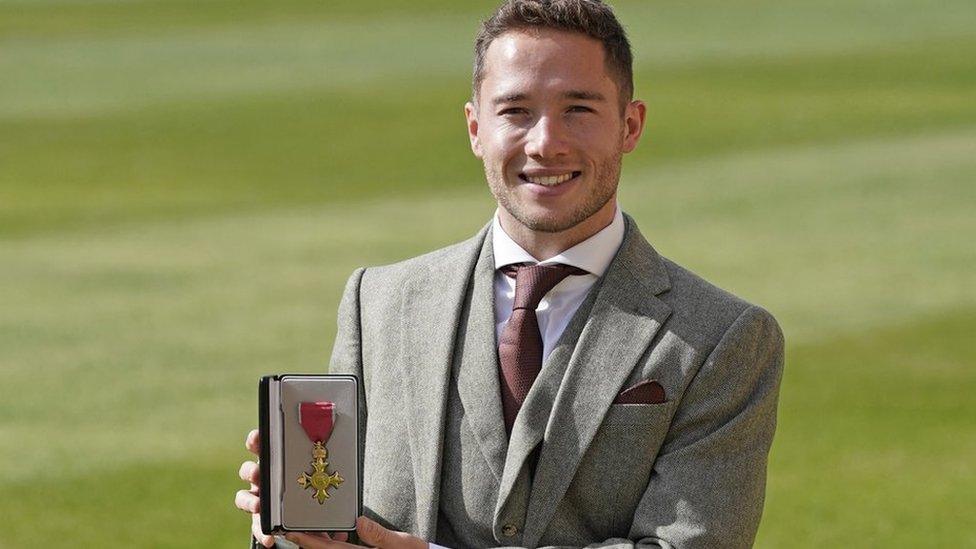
(369, 532)
(249, 500)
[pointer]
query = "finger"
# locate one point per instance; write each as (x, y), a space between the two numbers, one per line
(372, 533)
(267, 541)
(253, 442)
(335, 536)
(311, 541)
(247, 501)
(250, 472)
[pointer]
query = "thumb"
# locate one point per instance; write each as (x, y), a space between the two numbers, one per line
(373, 533)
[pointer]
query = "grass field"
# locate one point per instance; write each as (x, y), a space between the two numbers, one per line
(185, 186)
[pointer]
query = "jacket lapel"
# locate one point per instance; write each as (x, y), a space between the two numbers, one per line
(622, 324)
(477, 383)
(432, 304)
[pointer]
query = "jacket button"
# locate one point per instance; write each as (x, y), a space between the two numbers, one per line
(509, 530)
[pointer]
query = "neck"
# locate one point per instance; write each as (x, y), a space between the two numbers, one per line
(543, 245)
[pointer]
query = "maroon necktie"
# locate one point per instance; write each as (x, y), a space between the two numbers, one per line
(520, 344)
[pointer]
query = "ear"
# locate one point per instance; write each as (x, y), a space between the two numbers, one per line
(634, 118)
(471, 116)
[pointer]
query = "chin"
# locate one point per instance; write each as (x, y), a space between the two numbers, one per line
(548, 223)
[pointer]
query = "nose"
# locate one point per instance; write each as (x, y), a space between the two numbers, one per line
(546, 139)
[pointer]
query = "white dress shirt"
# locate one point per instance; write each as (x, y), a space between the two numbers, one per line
(558, 306)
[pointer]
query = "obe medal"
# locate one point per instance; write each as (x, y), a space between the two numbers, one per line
(317, 418)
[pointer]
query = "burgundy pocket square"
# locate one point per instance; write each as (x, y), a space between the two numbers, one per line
(645, 392)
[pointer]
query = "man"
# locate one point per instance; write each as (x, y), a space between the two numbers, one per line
(553, 381)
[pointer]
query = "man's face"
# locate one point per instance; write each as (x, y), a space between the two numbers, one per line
(549, 129)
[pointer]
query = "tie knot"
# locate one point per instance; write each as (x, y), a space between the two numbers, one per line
(533, 282)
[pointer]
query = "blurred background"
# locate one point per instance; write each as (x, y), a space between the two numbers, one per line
(186, 185)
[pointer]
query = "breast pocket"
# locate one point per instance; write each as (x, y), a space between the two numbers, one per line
(622, 455)
(628, 440)
(646, 415)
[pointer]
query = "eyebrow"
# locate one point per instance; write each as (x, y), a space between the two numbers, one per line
(580, 95)
(583, 95)
(510, 98)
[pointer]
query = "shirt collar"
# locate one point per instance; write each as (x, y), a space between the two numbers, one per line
(592, 255)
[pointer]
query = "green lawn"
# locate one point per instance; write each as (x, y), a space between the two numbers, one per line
(185, 186)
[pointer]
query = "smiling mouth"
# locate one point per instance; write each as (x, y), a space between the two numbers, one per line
(549, 180)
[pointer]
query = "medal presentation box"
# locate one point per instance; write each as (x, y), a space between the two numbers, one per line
(309, 454)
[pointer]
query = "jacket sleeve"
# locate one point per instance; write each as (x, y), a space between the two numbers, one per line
(347, 356)
(708, 483)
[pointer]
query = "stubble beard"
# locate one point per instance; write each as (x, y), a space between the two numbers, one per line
(604, 187)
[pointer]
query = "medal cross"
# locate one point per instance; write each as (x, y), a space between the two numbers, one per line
(320, 480)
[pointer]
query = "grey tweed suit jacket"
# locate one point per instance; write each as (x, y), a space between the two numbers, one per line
(578, 470)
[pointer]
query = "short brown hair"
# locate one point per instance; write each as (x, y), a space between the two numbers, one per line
(590, 17)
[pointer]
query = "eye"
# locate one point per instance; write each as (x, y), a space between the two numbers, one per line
(580, 108)
(513, 111)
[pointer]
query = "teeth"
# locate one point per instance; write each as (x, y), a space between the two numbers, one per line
(549, 180)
